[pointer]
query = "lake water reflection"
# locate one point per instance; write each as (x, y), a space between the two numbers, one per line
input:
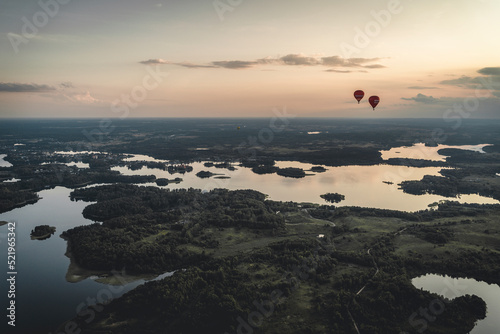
(455, 287)
(420, 151)
(361, 185)
(44, 298)
(4, 163)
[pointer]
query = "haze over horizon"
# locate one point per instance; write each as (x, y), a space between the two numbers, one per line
(241, 58)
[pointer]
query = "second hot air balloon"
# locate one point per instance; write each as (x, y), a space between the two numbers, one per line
(358, 95)
(374, 100)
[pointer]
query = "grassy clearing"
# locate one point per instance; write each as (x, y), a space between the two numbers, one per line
(152, 238)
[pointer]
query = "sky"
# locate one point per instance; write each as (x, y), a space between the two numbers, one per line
(246, 58)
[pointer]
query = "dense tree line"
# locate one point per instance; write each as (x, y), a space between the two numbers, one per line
(217, 296)
(331, 212)
(435, 234)
(414, 162)
(393, 303)
(42, 230)
(466, 156)
(462, 172)
(12, 197)
(449, 187)
(333, 197)
(144, 227)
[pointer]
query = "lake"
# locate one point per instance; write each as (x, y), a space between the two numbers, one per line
(361, 185)
(4, 163)
(455, 287)
(44, 297)
(52, 300)
(420, 151)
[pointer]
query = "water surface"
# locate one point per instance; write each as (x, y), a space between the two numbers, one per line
(44, 298)
(455, 287)
(4, 163)
(420, 151)
(361, 185)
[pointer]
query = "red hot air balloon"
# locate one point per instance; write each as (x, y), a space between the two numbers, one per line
(358, 95)
(374, 100)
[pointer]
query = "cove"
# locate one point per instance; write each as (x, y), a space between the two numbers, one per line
(451, 288)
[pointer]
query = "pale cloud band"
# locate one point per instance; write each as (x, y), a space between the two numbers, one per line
(421, 98)
(490, 71)
(422, 87)
(489, 80)
(288, 60)
(65, 91)
(24, 88)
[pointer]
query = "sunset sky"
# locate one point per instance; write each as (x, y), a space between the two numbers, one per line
(242, 58)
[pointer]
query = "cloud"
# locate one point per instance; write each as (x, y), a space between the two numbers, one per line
(295, 59)
(331, 61)
(24, 88)
(66, 85)
(374, 66)
(490, 80)
(85, 98)
(74, 97)
(422, 87)
(191, 65)
(287, 60)
(154, 61)
(234, 64)
(462, 81)
(338, 71)
(159, 61)
(489, 71)
(421, 98)
(360, 61)
(67, 92)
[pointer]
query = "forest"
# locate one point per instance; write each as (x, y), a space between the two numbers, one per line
(146, 229)
(243, 262)
(42, 232)
(235, 255)
(333, 197)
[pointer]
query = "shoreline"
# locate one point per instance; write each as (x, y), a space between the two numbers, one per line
(76, 273)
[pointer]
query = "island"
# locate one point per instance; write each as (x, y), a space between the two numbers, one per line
(42, 232)
(291, 172)
(333, 197)
(265, 169)
(318, 169)
(165, 182)
(205, 174)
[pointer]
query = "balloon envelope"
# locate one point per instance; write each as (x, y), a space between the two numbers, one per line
(374, 100)
(358, 95)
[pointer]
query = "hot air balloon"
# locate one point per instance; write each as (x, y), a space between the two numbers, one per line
(374, 100)
(238, 128)
(359, 95)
